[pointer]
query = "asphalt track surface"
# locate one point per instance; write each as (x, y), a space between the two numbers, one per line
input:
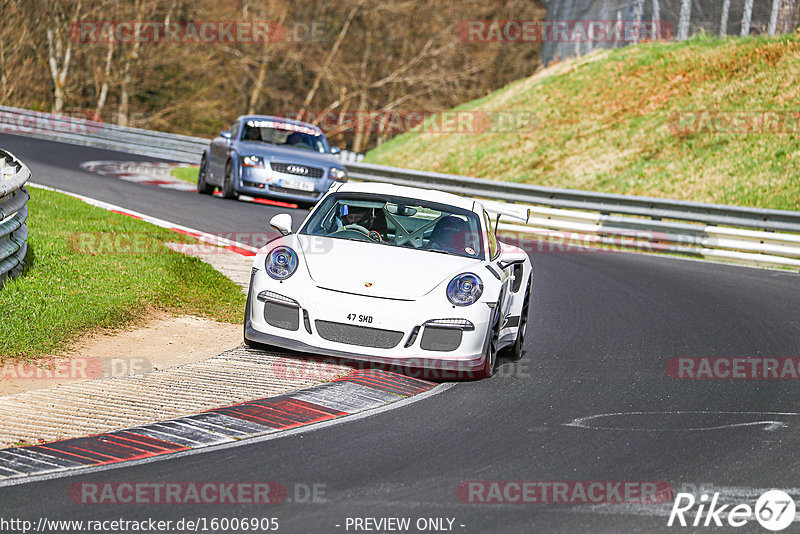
(602, 329)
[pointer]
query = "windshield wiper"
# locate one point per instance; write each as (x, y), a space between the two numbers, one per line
(353, 239)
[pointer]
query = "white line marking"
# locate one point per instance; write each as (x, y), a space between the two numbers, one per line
(769, 425)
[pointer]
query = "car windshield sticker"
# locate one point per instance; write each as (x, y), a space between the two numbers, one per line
(285, 126)
(470, 251)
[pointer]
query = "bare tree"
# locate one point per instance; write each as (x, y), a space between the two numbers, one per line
(59, 46)
(374, 57)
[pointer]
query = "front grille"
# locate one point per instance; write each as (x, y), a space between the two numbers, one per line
(298, 192)
(282, 316)
(293, 168)
(358, 335)
(440, 339)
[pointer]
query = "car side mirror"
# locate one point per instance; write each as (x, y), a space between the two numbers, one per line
(226, 135)
(282, 222)
(336, 150)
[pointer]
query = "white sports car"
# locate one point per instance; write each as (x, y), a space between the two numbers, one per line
(396, 275)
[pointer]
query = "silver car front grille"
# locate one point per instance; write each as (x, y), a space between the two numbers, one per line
(358, 335)
(297, 169)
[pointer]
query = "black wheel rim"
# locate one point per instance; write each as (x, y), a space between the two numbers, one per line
(523, 320)
(493, 350)
(201, 176)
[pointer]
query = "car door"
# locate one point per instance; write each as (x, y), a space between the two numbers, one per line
(220, 147)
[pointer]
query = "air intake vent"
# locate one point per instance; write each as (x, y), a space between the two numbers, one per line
(358, 335)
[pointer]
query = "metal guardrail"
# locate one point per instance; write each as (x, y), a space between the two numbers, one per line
(652, 208)
(13, 214)
(749, 235)
(81, 131)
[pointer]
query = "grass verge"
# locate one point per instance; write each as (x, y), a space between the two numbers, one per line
(90, 269)
(708, 119)
(187, 174)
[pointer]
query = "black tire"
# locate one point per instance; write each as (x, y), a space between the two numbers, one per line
(203, 187)
(517, 349)
(227, 182)
(490, 363)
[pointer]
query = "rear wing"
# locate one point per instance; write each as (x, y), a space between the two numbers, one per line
(496, 210)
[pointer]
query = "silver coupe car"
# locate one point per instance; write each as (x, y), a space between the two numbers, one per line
(270, 157)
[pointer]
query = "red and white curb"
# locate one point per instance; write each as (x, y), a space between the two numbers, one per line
(142, 172)
(360, 391)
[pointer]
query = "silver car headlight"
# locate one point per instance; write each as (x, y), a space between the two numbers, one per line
(338, 174)
(281, 263)
(465, 289)
(252, 161)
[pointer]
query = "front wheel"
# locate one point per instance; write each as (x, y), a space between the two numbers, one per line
(203, 187)
(490, 362)
(227, 184)
(517, 351)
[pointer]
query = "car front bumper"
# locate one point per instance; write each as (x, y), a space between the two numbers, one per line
(409, 321)
(264, 183)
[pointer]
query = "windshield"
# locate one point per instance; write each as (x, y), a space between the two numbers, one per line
(398, 222)
(284, 134)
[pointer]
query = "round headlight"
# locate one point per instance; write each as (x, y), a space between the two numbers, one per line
(340, 175)
(281, 263)
(252, 161)
(464, 289)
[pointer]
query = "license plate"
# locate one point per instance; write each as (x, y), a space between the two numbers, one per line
(359, 318)
(300, 185)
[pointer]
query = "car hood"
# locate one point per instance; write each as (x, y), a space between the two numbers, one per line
(286, 155)
(378, 270)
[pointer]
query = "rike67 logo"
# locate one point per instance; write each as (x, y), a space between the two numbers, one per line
(774, 510)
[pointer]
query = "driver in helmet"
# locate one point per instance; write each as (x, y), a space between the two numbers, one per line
(367, 218)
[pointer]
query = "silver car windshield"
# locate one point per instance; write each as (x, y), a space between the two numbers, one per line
(398, 222)
(283, 134)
